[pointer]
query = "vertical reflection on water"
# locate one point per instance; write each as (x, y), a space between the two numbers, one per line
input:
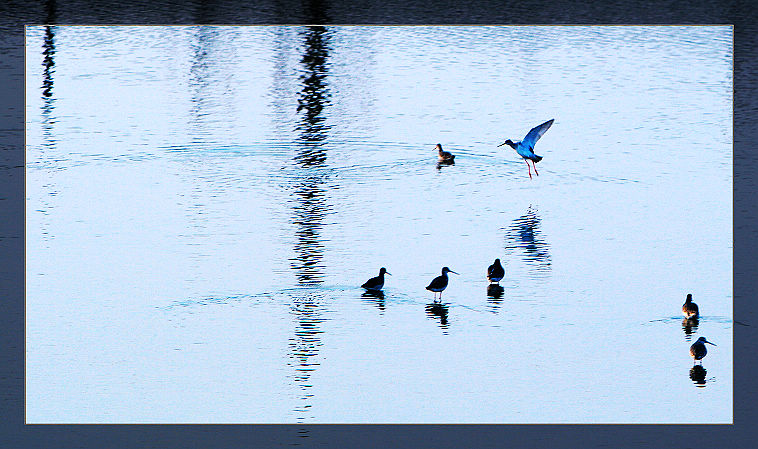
(48, 61)
(310, 206)
(304, 346)
(200, 73)
(524, 235)
(689, 326)
(47, 119)
(195, 166)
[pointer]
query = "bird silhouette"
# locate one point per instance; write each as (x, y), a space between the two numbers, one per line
(376, 283)
(698, 350)
(440, 282)
(495, 272)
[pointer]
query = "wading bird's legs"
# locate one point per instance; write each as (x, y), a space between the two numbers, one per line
(529, 168)
(535, 167)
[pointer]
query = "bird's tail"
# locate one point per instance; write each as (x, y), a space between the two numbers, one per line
(536, 158)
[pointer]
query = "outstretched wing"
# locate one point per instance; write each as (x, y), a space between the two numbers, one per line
(536, 132)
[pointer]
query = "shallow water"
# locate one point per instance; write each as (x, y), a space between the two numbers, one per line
(203, 204)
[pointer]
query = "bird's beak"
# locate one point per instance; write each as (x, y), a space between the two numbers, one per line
(387, 272)
(710, 343)
(501, 144)
(454, 272)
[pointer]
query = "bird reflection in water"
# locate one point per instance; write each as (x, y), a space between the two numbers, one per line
(438, 310)
(494, 295)
(376, 297)
(697, 375)
(689, 326)
(524, 236)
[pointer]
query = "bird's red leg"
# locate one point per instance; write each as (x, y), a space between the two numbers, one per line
(535, 167)
(529, 168)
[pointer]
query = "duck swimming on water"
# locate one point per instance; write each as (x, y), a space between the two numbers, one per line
(525, 148)
(689, 308)
(444, 157)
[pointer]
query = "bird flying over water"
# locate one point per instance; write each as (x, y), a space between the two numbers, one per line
(440, 282)
(376, 283)
(525, 148)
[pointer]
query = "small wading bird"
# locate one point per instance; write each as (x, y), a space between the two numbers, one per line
(698, 350)
(376, 283)
(525, 148)
(495, 272)
(689, 308)
(440, 283)
(444, 157)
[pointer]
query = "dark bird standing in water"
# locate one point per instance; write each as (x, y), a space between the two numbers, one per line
(525, 148)
(689, 308)
(444, 157)
(698, 350)
(440, 282)
(376, 283)
(495, 272)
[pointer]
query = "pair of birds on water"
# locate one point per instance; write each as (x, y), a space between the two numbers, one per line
(524, 147)
(495, 273)
(437, 285)
(691, 312)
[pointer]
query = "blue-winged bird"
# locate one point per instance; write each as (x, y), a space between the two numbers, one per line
(525, 148)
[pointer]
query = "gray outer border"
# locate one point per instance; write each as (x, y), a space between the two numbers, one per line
(15, 434)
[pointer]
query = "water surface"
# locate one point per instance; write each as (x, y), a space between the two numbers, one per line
(203, 204)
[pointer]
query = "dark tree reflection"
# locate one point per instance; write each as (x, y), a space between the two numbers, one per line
(48, 62)
(309, 202)
(310, 207)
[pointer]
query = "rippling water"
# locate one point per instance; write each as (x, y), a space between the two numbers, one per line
(203, 204)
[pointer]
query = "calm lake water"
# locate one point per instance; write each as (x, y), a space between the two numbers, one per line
(203, 204)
